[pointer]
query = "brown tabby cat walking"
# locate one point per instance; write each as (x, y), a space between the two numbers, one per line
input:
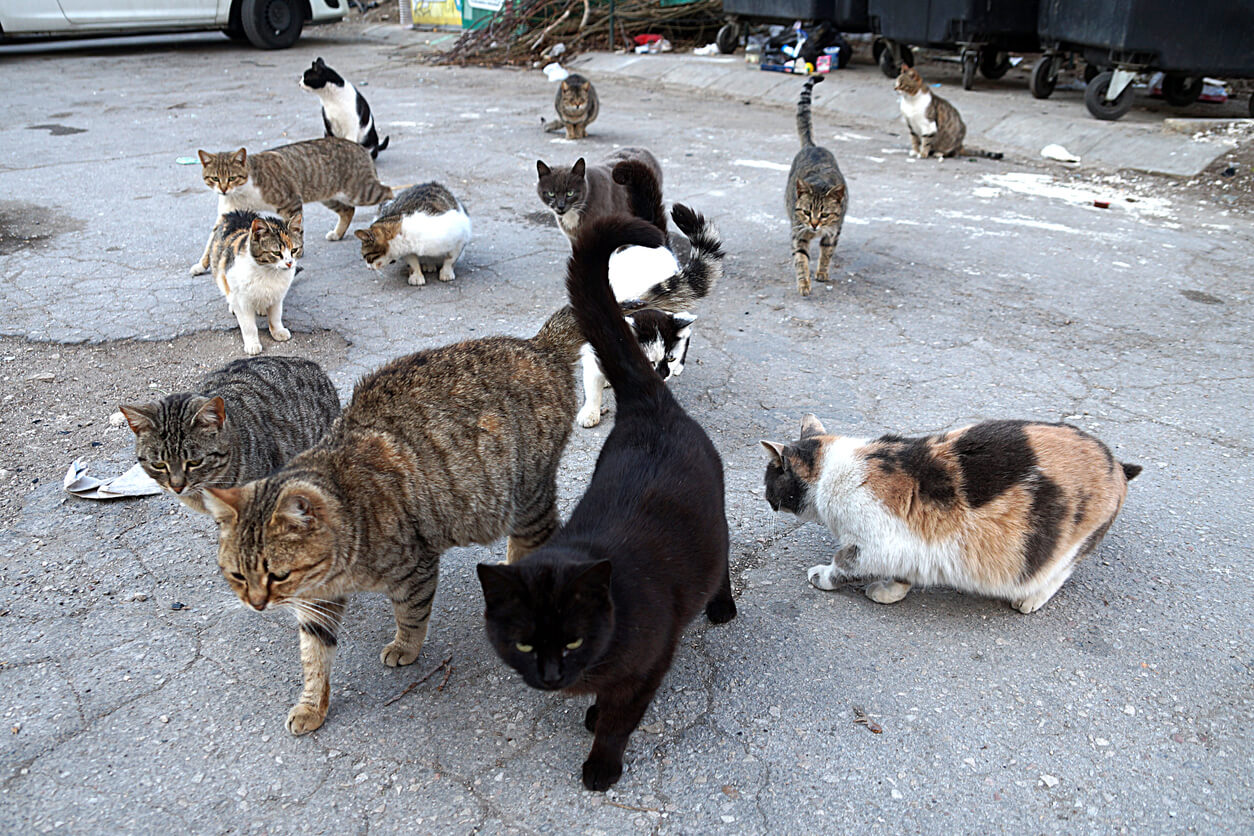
(816, 198)
(336, 172)
(577, 107)
(934, 123)
(442, 448)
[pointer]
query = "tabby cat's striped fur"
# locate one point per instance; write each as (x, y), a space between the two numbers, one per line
(335, 172)
(243, 421)
(816, 198)
(577, 106)
(253, 265)
(446, 447)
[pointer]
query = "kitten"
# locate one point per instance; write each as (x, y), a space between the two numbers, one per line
(441, 448)
(816, 198)
(424, 222)
(345, 112)
(333, 171)
(584, 193)
(253, 266)
(242, 421)
(577, 107)
(600, 608)
(1004, 509)
(934, 123)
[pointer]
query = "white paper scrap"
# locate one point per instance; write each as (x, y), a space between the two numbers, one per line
(134, 482)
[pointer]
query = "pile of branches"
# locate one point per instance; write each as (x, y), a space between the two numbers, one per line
(526, 31)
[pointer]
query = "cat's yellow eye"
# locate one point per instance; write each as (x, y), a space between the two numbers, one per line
(548, 194)
(525, 648)
(570, 192)
(158, 466)
(192, 465)
(575, 644)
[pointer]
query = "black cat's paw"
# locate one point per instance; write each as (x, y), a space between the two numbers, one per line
(590, 719)
(721, 610)
(599, 776)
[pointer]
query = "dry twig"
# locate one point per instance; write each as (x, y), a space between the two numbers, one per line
(411, 686)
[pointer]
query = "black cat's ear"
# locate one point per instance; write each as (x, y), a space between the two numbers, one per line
(223, 504)
(593, 581)
(212, 415)
(543, 169)
(684, 320)
(319, 63)
(810, 426)
(578, 168)
(776, 451)
(140, 418)
(498, 582)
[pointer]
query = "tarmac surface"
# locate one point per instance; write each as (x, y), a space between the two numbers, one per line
(964, 290)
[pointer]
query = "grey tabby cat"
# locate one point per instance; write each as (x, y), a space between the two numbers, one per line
(935, 126)
(577, 107)
(333, 171)
(243, 421)
(582, 193)
(446, 447)
(816, 198)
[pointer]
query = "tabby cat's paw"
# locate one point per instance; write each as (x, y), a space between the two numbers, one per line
(823, 577)
(589, 416)
(303, 719)
(600, 775)
(803, 286)
(822, 276)
(197, 268)
(396, 655)
(334, 236)
(280, 334)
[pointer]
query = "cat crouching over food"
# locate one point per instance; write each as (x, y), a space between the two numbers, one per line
(1003, 509)
(600, 608)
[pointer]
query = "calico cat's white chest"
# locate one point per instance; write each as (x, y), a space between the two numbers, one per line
(256, 287)
(914, 109)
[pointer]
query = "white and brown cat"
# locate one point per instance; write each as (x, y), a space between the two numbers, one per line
(1004, 509)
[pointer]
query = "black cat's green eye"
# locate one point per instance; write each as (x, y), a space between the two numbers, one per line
(524, 648)
(570, 192)
(575, 644)
(548, 194)
(195, 463)
(237, 576)
(278, 577)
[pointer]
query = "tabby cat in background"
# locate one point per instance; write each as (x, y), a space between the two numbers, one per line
(582, 192)
(816, 198)
(425, 223)
(1004, 509)
(577, 107)
(446, 447)
(241, 422)
(345, 111)
(934, 123)
(252, 262)
(336, 172)
(600, 608)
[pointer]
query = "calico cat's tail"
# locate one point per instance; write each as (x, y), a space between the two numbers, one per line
(644, 193)
(803, 112)
(697, 278)
(598, 313)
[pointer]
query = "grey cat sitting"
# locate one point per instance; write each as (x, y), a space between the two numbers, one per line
(816, 198)
(581, 193)
(242, 422)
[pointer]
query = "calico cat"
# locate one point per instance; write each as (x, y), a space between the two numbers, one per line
(441, 448)
(577, 107)
(583, 193)
(600, 608)
(333, 171)
(345, 112)
(934, 123)
(253, 265)
(1004, 509)
(242, 421)
(424, 223)
(816, 198)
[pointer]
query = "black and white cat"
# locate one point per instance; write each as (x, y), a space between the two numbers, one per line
(345, 112)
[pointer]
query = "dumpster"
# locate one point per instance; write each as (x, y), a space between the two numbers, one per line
(981, 31)
(841, 15)
(1131, 37)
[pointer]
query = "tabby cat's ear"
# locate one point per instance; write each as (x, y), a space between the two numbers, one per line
(298, 510)
(578, 168)
(565, 85)
(239, 156)
(803, 187)
(364, 235)
(223, 504)
(543, 169)
(500, 584)
(836, 192)
(296, 224)
(212, 415)
(205, 157)
(140, 418)
(776, 452)
(810, 426)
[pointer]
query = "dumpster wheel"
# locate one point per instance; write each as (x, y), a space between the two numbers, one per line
(728, 37)
(1095, 98)
(1044, 77)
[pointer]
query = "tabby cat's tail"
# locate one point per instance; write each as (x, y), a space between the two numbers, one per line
(644, 193)
(1130, 471)
(980, 152)
(697, 278)
(803, 112)
(597, 311)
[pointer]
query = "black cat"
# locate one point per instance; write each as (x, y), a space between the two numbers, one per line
(600, 608)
